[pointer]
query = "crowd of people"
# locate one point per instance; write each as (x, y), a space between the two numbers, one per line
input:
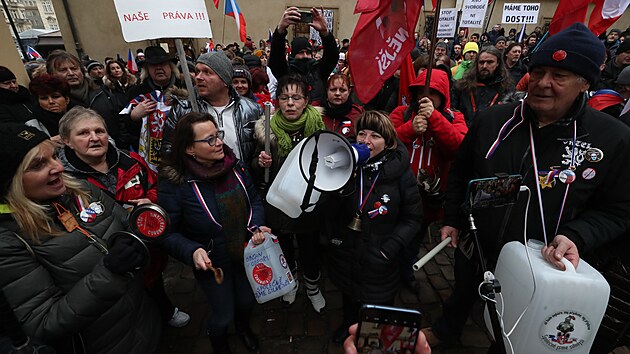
(87, 141)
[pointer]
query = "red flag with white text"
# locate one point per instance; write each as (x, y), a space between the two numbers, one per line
(567, 13)
(605, 13)
(380, 42)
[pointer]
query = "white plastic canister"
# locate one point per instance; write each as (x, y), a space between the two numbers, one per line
(267, 269)
(567, 306)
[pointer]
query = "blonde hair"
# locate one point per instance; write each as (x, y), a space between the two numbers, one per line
(33, 218)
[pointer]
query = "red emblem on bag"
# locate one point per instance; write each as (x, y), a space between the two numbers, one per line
(559, 55)
(262, 274)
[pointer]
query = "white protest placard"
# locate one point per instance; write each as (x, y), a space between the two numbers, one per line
(473, 13)
(446, 25)
(328, 16)
(523, 13)
(142, 20)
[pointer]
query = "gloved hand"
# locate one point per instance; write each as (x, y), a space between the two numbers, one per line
(125, 255)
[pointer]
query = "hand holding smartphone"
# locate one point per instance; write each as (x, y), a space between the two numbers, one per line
(306, 16)
(385, 329)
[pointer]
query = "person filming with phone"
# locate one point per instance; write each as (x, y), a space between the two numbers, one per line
(301, 59)
(574, 160)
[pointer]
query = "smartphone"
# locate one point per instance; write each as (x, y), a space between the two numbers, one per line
(306, 16)
(384, 329)
(493, 192)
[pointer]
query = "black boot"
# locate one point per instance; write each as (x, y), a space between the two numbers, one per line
(249, 339)
(219, 343)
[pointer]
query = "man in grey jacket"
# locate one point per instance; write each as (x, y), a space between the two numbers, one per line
(236, 115)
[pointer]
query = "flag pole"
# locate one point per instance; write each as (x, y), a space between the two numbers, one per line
(436, 20)
(184, 64)
(223, 32)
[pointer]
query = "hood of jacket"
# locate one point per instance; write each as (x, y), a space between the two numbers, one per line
(439, 82)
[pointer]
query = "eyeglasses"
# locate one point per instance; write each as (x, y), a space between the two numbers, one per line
(285, 98)
(212, 140)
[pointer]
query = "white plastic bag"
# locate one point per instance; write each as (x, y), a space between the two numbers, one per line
(267, 269)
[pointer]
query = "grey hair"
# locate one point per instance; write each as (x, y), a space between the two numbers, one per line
(74, 115)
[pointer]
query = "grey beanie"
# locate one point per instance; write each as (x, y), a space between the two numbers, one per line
(219, 63)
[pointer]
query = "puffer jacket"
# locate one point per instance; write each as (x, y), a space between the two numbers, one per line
(245, 112)
(16, 107)
(437, 146)
(59, 288)
(128, 177)
(355, 263)
(192, 228)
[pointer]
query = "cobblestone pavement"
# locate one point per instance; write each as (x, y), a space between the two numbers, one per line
(298, 329)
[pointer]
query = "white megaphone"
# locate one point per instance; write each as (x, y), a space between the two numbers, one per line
(324, 162)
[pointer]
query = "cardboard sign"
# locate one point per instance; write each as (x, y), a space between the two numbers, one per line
(446, 25)
(142, 20)
(520, 13)
(473, 13)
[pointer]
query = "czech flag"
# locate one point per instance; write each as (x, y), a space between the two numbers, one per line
(131, 63)
(32, 53)
(232, 9)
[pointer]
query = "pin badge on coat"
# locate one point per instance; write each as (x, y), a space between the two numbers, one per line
(593, 155)
(90, 213)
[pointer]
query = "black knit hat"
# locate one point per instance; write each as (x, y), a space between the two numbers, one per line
(16, 140)
(575, 49)
(299, 44)
(623, 47)
(6, 74)
(243, 72)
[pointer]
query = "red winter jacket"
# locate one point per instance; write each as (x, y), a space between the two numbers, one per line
(438, 145)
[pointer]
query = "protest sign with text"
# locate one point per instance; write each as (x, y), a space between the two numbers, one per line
(520, 13)
(142, 20)
(473, 13)
(446, 26)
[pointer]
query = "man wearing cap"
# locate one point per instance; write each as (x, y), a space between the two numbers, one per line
(500, 43)
(235, 115)
(158, 72)
(485, 84)
(95, 71)
(301, 58)
(16, 104)
(615, 65)
(470, 54)
(574, 160)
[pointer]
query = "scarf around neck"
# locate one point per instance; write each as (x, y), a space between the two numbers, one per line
(338, 112)
(218, 168)
(310, 121)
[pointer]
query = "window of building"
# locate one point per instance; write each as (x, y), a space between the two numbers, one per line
(47, 5)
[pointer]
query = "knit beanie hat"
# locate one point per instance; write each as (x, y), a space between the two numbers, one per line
(16, 140)
(624, 77)
(241, 71)
(252, 61)
(91, 64)
(6, 74)
(299, 44)
(471, 46)
(219, 63)
(499, 38)
(623, 47)
(575, 49)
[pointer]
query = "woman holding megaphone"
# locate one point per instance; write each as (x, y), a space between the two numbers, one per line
(375, 218)
(294, 121)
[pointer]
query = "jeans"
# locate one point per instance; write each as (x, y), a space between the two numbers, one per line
(233, 300)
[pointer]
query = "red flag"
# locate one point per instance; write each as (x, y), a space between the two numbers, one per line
(407, 77)
(366, 6)
(380, 42)
(568, 13)
(216, 4)
(605, 13)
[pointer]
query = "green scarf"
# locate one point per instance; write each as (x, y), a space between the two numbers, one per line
(310, 120)
(461, 69)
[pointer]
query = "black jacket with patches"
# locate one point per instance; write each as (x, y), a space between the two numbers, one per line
(597, 208)
(355, 263)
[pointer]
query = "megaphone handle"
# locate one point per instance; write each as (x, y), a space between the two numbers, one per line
(312, 169)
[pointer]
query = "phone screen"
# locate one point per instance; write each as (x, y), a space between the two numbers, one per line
(493, 192)
(387, 330)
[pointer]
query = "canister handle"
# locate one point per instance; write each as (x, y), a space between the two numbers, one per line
(568, 266)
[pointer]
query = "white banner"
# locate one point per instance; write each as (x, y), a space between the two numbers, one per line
(473, 13)
(142, 20)
(446, 26)
(526, 13)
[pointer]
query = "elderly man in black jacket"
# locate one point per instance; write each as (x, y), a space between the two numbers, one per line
(301, 58)
(574, 159)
